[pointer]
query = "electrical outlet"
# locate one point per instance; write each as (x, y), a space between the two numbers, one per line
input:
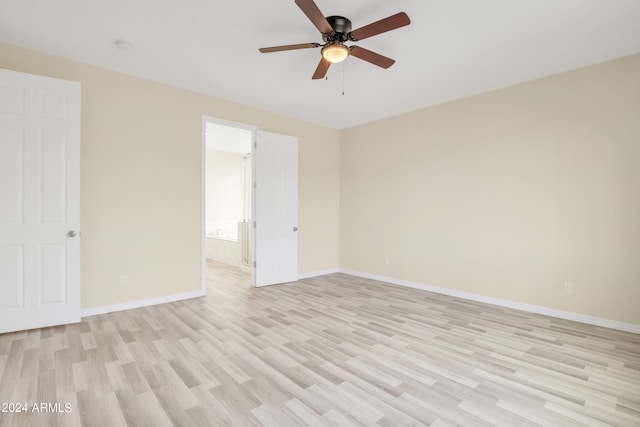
(387, 261)
(124, 280)
(568, 288)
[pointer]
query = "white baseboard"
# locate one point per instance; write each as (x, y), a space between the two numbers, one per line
(140, 303)
(318, 273)
(591, 320)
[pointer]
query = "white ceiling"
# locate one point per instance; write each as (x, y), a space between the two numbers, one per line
(452, 49)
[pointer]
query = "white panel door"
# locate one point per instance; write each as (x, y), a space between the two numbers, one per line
(276, 209)
(39, 201)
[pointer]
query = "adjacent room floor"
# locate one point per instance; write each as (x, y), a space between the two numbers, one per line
(332, 350)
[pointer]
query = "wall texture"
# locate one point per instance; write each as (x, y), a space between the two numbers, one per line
(508, 194)
(141, 180)
(225, 185)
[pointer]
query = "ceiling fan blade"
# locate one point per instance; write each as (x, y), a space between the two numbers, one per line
(382, 26)
(322, 69)
(289, 47)
(315, 15)
(372, 57)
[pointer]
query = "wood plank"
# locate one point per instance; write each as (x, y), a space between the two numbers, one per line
(329, 350)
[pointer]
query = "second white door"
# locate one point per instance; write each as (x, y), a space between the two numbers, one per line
(276, 209)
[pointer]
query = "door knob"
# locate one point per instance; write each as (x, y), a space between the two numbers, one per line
(72, 233)
(295, 228)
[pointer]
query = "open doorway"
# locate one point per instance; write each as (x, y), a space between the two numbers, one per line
(249, 202)
(228, 171)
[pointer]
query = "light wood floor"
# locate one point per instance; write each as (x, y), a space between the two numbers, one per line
(332, 350)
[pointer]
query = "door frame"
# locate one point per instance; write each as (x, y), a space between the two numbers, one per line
(203, 196)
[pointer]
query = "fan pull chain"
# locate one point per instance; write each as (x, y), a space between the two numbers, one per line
(326, 78)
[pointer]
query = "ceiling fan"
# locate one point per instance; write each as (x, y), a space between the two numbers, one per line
(336, 30)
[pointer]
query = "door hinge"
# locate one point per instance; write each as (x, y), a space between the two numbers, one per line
(254, 224)
(255, 184)
(255, 264)
(255, 144)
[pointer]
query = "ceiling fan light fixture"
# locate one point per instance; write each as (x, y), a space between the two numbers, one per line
(335, 53)
(335, 31)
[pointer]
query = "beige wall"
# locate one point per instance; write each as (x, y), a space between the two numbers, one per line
(507, 194)
(225, 183)
(141, 180)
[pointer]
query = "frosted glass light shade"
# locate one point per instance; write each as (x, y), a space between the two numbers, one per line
(335, 52)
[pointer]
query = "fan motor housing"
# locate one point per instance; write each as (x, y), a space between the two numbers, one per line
(341, 28)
